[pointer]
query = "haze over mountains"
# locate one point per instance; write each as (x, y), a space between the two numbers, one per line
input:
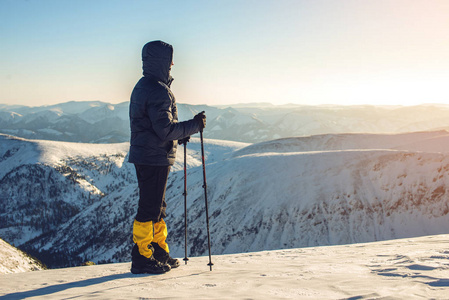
(99, 122)
(67, 203)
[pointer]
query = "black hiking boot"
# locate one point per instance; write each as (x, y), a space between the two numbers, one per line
(141, 264)
(160, 255)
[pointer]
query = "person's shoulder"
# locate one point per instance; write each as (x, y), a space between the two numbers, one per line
(154, 84)
(153, 87)
(146, 82)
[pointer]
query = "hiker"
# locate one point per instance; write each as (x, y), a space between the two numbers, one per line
(155, 132)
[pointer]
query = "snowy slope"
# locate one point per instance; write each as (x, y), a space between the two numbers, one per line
(13, 260)
(433, 141)
(70, 203)
(281, 195)
(44, 184)
(67, 203)
(414, 268)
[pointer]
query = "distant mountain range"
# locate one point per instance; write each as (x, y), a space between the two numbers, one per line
(99, 122)
(67, 203)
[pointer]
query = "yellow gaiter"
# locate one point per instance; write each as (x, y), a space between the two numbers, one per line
(160, 234)
(143, 236)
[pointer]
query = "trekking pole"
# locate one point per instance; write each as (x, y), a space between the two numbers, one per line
(185, 201)
(210, 264)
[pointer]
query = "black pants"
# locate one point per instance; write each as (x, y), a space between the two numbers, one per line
(152, 182)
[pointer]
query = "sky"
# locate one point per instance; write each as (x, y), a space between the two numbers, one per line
(346, 52)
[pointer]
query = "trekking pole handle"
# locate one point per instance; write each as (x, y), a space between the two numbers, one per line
(201, 113)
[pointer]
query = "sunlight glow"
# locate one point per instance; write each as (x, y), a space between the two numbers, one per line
(305, 52)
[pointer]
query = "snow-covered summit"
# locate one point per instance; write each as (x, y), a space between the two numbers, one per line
(427, 141)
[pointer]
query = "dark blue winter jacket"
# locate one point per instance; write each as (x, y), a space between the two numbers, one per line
(155, 129)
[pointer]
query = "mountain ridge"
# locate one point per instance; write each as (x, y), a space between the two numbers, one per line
(102, 122)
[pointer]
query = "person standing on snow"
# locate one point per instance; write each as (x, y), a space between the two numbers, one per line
(155, 132)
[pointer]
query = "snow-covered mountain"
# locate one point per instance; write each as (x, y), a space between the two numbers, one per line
(100, 122)
(323, 190)
(12, 260)
(90, 121)
(67, 203)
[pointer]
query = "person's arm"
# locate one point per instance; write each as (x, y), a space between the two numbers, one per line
(163, 124)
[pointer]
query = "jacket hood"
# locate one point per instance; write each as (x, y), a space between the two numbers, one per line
(157, 58)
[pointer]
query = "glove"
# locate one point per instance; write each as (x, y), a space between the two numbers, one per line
(201, 119)
(184, 141)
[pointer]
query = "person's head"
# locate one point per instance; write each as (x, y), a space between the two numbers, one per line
(157, 58)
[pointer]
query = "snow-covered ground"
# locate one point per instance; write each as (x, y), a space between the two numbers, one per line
(413, 268)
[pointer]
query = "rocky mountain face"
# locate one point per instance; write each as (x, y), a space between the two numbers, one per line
(67, 203)
(99, 122)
